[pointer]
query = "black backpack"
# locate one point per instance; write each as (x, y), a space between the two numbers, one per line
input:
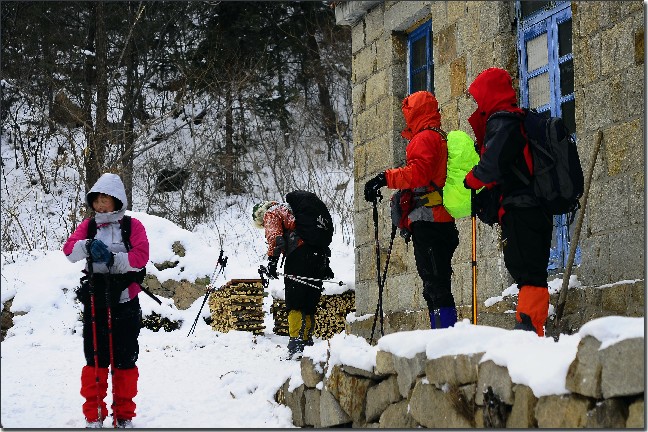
(557, 173)
(313, 221)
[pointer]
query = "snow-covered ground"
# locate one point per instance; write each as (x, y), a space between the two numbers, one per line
(217, 380)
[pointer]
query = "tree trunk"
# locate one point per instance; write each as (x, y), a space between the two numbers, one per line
(130, 96)
(319, 73)
(229, 143)
(92, 170)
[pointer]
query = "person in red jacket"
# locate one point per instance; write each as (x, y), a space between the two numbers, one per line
(526, 225)
(434, 231)
(113, 265)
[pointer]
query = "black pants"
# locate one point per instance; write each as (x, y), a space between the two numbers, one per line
(303, 261)
(526, 240)
(434, 245)
(126, 325)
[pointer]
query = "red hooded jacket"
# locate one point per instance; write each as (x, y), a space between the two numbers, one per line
(426, 155)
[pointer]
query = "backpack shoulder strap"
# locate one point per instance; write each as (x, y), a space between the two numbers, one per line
(92, 228)
(439, 131)
(125, 225)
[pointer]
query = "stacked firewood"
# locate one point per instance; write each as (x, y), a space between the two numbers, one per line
(329, 319)
(238, 305)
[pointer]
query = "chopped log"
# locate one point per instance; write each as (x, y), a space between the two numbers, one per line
(238, 305)
(329, 318)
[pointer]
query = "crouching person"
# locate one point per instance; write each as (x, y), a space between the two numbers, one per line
(116, 249)
(302, 259)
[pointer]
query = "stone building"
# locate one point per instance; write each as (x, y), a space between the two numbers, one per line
(583, 61)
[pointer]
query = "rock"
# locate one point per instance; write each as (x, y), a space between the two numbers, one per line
(622, 368)
(310, 372)
(522, 414)
(460, 369)
(331, 413)
(608, 414)
(380, 397)
(496, 377)
(397, 416)
(562, 411)
(312, 407)
(384, 363)
(408, 370)
(636, 415)
(350, 391)
(432, 408)
(296, 401)
(584, 373)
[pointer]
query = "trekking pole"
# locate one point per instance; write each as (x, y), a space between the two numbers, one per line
(473, 217)
(340, 283)
(379, 308)
(377, 248)
(95, 345)
(577, 229)
(222, 261)
(110, 345)
(301, 279)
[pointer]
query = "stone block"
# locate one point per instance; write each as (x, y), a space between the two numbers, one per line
(384, 363)
(522, 414)
(562, 411)
(497, 377)
(608, 414)
(311, 373)
(445, 44)
(296, 401)
(364, 63)
(407, 370)
(443, 414)
(350, 391)
(627, 253)
(377, 86)
(623, 366)
(397, 416)
(636, 415)
(584, 373)
(331, 413)
(460, 369)
(352, 370)
(373, 24)
(312, 408)
(614, 299)
(380, 397)
(457, 77)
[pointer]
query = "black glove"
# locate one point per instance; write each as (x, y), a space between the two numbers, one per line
(272, 267)
(465, 183)
(372, 187)
(99, 252)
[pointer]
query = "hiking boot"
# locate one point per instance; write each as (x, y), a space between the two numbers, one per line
(295, 348)
(94, 424)
(526, 323)
(124, 424)
(443, 317)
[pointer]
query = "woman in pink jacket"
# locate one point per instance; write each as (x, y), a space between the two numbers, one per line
(115, 270)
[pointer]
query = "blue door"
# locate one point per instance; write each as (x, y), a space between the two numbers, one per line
(546, 67)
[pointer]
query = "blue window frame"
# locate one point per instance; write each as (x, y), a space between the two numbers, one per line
(546, 65)
(420, 62)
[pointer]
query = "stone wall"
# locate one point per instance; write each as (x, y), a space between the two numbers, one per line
(470, 36)
(605, 390)
(608, 41)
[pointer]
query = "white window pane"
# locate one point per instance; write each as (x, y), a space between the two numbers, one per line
(539, 90)
(537, 53)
